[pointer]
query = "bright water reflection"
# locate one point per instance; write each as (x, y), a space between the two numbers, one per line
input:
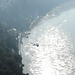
(55, 53)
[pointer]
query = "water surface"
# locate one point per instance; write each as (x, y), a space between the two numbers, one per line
(55, 53)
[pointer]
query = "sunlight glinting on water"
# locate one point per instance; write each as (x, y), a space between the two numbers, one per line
(53, 56)
(49, 49)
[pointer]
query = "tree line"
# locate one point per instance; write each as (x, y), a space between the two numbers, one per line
(10, 60)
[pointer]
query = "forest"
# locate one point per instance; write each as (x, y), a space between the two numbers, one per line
(10, 60)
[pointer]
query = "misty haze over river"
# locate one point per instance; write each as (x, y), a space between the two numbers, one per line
(55, 36)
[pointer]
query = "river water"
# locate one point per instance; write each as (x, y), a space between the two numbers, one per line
(50, 47)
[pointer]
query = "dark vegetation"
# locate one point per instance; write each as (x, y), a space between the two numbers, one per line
(10, 60)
